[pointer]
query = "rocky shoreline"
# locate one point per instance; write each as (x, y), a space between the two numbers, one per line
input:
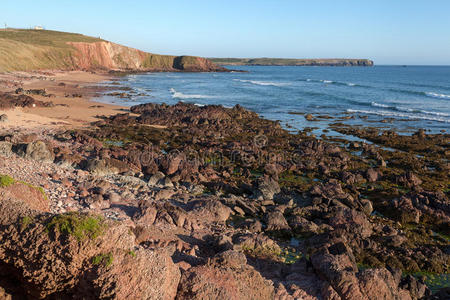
(188, 202)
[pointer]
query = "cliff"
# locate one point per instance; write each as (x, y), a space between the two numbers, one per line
(292, 62)
(26, 50)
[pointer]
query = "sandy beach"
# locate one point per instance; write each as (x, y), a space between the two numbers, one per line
(72, 93)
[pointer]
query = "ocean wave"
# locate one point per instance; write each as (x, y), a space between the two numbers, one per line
(437, 95)
(180, 95)
(420, 93)
(379, 104)
(258, 82)
(329, 82)
(433, 86)
(410, 110)
(397, 114)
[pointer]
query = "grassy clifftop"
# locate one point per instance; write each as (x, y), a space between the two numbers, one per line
(292, 62)
(25, 50)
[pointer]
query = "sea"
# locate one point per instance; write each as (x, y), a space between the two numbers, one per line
(403, 98)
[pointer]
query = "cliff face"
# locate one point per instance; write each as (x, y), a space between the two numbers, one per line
(111, 56)
(25, 50)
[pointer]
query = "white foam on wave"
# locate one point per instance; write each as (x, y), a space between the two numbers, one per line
(397, 114)
(180, 95)
(437, 95)
(379, 104)
(258, 82)
(330, 82)
(435, 113)
(411, 110)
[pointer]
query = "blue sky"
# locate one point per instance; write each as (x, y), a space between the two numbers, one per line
(389, 32)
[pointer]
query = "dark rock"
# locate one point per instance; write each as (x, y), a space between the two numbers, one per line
(309, 117)
(275, 221)
(372, 175)
(267, 188)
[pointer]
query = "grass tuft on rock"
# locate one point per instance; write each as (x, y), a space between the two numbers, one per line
(6, 180)
(104, 259)
(25, 222)
(80, 226)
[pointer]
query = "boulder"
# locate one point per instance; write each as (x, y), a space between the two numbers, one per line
(33, 196)
(5, 149)
(79, 256)
(39, 151)
(351, 220)
(303, 226)
(137, 274)
(227, 276)
(372, 175)
(275, 221)
(107, 166)
(267, 188)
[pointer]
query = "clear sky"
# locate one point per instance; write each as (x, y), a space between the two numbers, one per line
(387, 31)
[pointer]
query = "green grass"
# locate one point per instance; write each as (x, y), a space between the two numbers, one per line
(27, 49)
(6, 181)
(81, 226)
(104, 259)
(45, 37)
(25, 222)
(24, 49)
(432, 280)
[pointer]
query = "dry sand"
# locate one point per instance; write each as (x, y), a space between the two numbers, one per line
(68, 111)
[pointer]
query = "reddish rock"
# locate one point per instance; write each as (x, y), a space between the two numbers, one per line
(227, 276)
(34, 197)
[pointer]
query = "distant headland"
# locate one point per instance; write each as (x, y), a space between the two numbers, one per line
(292, 62)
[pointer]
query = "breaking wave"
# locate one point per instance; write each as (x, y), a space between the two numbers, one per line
(436, 95)
(420, 93)
(330, 82)
(180, 95)
(410, 110)
(398, 114)
(258, 82)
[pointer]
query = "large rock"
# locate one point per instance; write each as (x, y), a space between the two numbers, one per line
(79, 256)
(275, 221)
(267, 188)
(39, 151)
(5, 149)
(141, 274)
(227, 276)
(381, 284)
(351, 220)
(107, 166)
(34, 197)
